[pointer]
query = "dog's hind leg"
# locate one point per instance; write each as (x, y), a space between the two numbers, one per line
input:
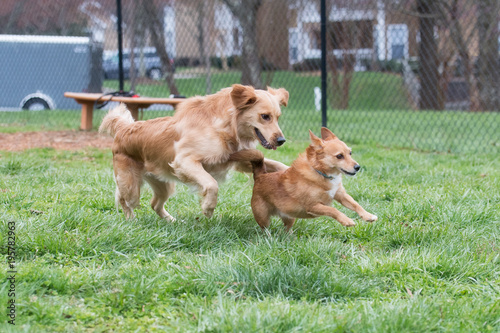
(288, 222)
(162, 191)
(128, 178)
(261, 211)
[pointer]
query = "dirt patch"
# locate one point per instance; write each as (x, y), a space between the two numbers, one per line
(65, 140)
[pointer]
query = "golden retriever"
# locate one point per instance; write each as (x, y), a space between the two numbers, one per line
(193, 146)
(308, 187)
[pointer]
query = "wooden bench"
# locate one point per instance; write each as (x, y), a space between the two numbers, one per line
(87, 100)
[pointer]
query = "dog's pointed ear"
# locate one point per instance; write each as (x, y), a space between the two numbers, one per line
(326, 134)
(281, 93)
(243, 96)
(315, 141)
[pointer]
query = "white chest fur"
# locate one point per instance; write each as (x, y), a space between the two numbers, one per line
(335, 185)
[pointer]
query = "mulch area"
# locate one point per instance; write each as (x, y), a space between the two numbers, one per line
(65, 140)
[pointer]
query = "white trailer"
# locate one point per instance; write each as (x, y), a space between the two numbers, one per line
(35, 71)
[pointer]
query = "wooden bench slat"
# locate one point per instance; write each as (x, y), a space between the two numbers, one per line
(87, 101)
(137, 100)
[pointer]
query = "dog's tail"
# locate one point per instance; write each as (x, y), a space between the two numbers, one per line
(116, 119)
(255, 157)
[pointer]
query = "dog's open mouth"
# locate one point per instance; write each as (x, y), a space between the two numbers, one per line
(263, 140)
(348, 173)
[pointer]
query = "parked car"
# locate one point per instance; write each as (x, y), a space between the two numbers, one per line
(37, 70)
(149, 59)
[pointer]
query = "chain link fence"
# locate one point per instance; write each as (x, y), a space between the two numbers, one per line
(422, 74)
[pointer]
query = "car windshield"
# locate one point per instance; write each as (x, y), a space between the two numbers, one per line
(114, 57)
(147, 52)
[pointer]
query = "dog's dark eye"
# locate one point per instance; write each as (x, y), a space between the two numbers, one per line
(266, 117)
(340, 156)
(350, 153)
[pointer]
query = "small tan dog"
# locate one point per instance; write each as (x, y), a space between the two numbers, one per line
(308, 187)
(193, 146)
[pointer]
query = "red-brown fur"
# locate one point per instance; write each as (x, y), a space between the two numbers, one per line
(300, 191)
(193, 146)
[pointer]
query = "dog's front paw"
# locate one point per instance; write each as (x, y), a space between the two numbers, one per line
(369, 217)
(208, 206)
(208, 212)
(169, 218)
(208, 203)
(347, 222)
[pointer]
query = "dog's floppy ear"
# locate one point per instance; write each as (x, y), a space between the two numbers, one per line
(243, 96)
(326, 134)
(281, 93)
(315, 141)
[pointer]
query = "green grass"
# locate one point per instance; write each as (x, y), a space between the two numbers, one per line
(431, 262)
(368, 91)
(425, 130)
(379, 114)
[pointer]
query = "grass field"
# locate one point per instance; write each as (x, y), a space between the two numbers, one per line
(431, 262)
(424, 130)
(368, 90)
(379, 113)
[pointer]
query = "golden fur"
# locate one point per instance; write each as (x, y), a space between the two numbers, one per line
(308, 187)
(193, 146)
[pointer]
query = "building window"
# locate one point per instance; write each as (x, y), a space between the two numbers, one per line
(397, 40)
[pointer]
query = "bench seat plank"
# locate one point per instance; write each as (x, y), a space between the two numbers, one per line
(87, 101)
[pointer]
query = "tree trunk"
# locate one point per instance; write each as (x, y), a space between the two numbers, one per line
(272, 50)
(272, 19)
(428, 55)
(349, 62)
(351, 44)
(458, 38)
(341, 84)
(332, 63)
(155, 25)
(207, 24)
(133, 38)
(246, 12)
(251, 69)
(222, 50)
(204, 33)
(489, 64)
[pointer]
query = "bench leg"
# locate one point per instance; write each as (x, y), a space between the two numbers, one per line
(134, 110)
(87, 112)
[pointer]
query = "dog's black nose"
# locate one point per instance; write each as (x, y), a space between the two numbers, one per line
(357, 167)
(281, 140)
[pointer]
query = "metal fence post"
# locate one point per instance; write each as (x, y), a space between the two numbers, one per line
(323, 64)
(120, 43)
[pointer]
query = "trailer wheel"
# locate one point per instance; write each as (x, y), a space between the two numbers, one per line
(36, 104)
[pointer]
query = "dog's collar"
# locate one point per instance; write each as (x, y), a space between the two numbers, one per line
(323, 174)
